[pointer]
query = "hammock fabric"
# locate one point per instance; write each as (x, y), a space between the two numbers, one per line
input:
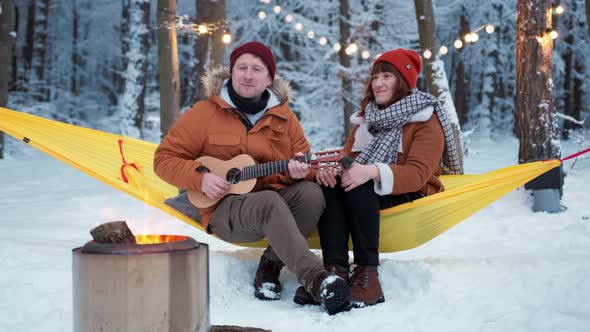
(127, 164)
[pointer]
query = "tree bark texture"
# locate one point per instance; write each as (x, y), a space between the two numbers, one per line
(434, 70)
(344, 22)
(168, 65)
(7, 41)
(537, 129)
(209, 47)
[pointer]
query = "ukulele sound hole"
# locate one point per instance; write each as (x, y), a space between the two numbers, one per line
(234, 175)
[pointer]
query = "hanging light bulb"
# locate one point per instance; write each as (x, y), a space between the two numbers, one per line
(298, 26)
(553, 34)
(310, 34)
(265, 1)
(276, 9)
(427, 54)
(337, 47)
(289, 18)
(490, 28)
(458, 44)
(226, 38)
(559, 10)
(261, 15)
(365, 54)
(474, 37)
(444, 50)
(351, 49)
(323, 41)
(468, 38)
(202, 29)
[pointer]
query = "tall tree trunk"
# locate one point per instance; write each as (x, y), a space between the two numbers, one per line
(578, 91)
(168, 65)
(573, 71)
(15, 67)
(434, 68)
(537, 127)
(462, 87)
(345, 63)
(209, 47)
(75, 50)
(29, 41)
(40, 50)
(568, 66)
(125, 26)
(132, 105)
(7, 38)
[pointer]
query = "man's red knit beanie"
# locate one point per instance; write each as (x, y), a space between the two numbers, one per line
(407, 62)
(257, 49)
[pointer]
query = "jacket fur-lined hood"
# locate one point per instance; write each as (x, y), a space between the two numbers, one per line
(214, 78)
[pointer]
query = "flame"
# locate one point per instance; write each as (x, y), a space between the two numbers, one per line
(153, 239)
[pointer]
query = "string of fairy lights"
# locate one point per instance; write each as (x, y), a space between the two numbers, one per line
(184, 23)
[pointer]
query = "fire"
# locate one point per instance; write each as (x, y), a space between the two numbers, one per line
(153, 239)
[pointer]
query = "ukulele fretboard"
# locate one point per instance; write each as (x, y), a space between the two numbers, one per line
(273, 167)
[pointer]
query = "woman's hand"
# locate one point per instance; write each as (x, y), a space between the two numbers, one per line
(326, 177)
(297, 169)
(357, 175)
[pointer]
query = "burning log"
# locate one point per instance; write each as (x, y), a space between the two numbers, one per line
(113, 232)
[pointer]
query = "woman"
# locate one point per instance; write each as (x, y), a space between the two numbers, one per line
(400, 137)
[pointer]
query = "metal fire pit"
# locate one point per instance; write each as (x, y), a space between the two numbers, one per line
(160, 287)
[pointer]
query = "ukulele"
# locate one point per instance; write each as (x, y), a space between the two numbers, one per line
(242, 171)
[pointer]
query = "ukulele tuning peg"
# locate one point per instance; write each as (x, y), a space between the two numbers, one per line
(346, 162)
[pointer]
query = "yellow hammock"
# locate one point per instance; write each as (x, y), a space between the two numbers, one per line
(126, 164)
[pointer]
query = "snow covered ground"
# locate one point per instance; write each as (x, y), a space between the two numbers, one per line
(504, 269)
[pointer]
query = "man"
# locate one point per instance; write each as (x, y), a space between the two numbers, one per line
(247, 113)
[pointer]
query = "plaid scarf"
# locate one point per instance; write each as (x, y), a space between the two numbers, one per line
(386, 127)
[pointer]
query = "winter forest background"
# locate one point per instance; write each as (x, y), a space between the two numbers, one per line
(95, 62)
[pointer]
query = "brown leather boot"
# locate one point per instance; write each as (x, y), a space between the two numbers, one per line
(266, 282)
(337, 270)
(331, 291)
(365, 287)
(302, 297)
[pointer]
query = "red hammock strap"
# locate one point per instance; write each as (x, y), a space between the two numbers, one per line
(125, 164)
(575, 155)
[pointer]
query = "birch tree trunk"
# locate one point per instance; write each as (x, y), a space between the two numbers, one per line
(434, 68)
(345, 64)
(537, 128)
(132, 104)
(7, 39)
(168, 65)
(209, 47)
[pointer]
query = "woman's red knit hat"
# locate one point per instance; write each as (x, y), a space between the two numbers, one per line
(407, 62)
